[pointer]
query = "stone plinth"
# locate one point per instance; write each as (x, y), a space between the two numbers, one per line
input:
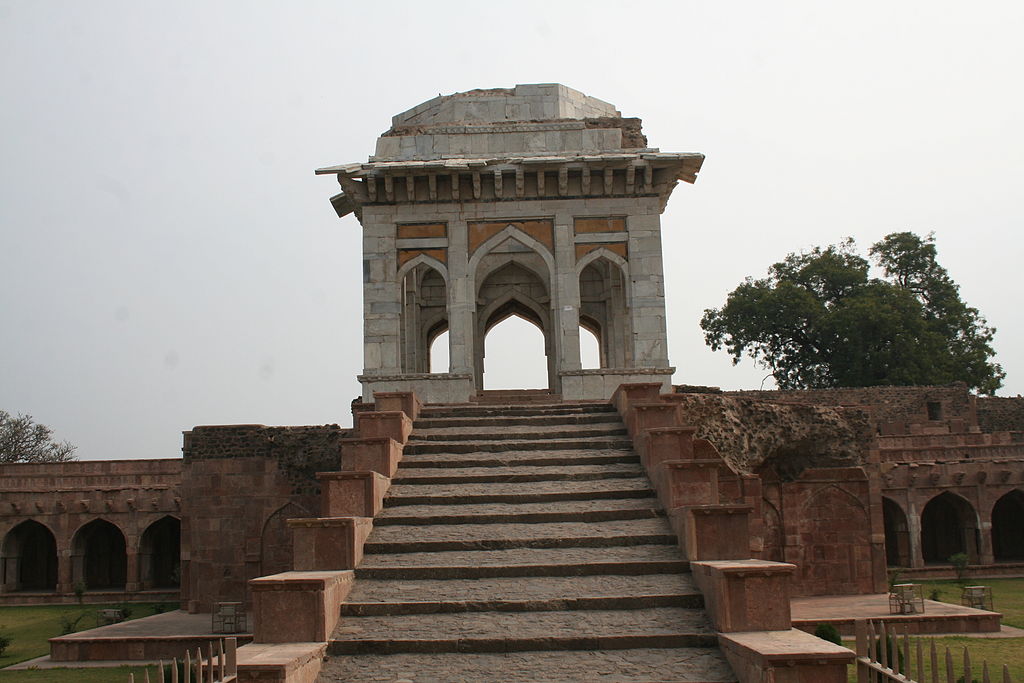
(405, 401)
(392, 424)
(785, 656)
(280, 662)
(298, 606)
(380, 455)
(328, 543)
(352, 494)
(715, 532)
(745, 595)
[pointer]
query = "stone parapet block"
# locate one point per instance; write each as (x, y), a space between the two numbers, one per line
(785, 656)
(714, 532)
(745, 595)
(688, 482)
(358, 494)
(664, 444)
(298, 606)
(630, 393)
(328, 543)
(380, 454)
(649, 415)
(281, 662)
(393, 424)
(405, 401)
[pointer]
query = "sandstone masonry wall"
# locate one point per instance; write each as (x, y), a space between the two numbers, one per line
(240, 485)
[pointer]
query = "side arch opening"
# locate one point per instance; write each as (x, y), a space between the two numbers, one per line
(30, 558)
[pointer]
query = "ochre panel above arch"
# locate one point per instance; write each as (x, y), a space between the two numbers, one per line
(540, 230)
(614, 247)
(406, 255)
(422, 230)
(588, 225)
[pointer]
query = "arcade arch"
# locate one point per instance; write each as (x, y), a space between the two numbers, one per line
(30, 558)
(424, 312)
(160, 554)
(897, 534)
(1008, 528)
(99, 557)
(949, 525)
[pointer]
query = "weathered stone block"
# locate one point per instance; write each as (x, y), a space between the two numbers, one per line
(358, 494)
(328, 543)
(296, 607)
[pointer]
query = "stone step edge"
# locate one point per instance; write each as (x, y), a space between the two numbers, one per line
(499, 435)
(539, 461)
(618, 602)
(399, 547)
(559, 643)
(397, 500)
(637, 568)
(511, 478)
(520, 517)
(567, 420)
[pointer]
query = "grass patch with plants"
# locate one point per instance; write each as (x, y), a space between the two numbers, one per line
(30, 627)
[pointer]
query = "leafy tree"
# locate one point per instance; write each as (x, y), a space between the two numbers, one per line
(23, 440)
(819, 320)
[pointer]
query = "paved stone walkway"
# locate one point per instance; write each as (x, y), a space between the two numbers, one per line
(522, 544)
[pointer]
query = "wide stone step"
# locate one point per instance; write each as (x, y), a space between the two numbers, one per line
(565, 419)
(520, 458)
(490, 513)
(519, 432)
(530, 492)
(540, 409)
(504, 445)
(638, 559)
(385, 538)
(634, 665)
(509, 631)
(371, 596)
(469, 475)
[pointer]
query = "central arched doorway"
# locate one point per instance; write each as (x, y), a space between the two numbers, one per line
(160, 554)
(515, 291)
(100, 558)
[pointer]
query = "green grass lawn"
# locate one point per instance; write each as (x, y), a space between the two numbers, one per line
(31, 627)
(1008, 599)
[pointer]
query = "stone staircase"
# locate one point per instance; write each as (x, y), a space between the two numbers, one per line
(522, 543)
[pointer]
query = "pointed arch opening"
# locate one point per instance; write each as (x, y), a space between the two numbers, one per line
(949, 525)
(424, 313)
(276, 539)
(160, 554)
(590, 346)
(99, 555)
(1008, 527)
(514, 348)
(604, 312)
(897, 535)
(30, 558)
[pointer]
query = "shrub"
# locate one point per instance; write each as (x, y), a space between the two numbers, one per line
(935, 594)
(69, 624)
(828, 632)
(959, 562)
(5, 641)
(79, 589)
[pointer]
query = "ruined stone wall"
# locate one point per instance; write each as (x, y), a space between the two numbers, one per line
(753, 433)
(240, 484)
(998, 413)
(888, 404)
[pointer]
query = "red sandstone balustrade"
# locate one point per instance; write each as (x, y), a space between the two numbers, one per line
(404, 401)
(381, 455)
(789, 656)
(328, 543)
(297, 607)
(356, 494)
(393, 424)
(745, 595)
(714, 532)
(628, 394)
(666, 443)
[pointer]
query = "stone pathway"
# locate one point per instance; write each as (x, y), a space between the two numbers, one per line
(522, 543)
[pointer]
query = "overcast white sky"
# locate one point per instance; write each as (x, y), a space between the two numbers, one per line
(168, 258)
